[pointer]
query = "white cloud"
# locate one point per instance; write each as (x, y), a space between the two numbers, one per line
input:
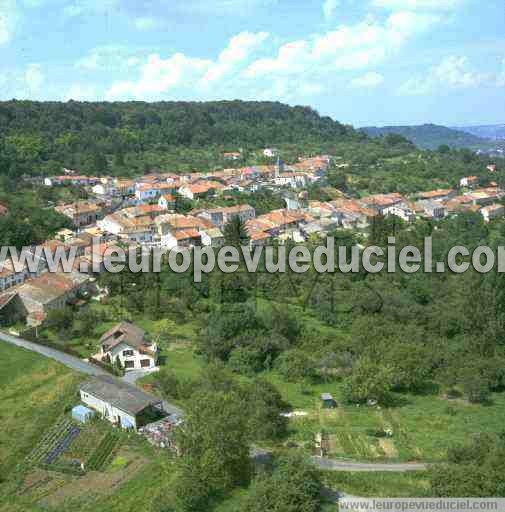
(238, 51)
(8, 15)
(417, 5)
(355, 46)
(329, 7)
(452, 73)
(108, 57)
(34, 77)
(145, 23)
(368, 80)
(160, 76)
(291, 59)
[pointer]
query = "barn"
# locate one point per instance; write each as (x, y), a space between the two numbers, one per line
(120, 403)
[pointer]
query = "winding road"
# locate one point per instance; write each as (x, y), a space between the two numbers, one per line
(320, 462)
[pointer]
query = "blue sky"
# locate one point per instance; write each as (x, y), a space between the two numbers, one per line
(361, 62)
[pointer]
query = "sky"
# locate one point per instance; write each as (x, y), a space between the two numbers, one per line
(362, 62)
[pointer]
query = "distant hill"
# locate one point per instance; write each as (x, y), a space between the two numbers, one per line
(490, 131)
(431, 136)
(97, 138)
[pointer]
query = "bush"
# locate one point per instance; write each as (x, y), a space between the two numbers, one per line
(296, 366)
(245, 361)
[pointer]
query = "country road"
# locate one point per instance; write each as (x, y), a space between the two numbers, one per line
(69, 361)
(325, 464)
(398, 467)
(257, 453)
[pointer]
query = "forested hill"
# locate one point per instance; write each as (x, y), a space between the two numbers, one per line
(431, 136)
(89, 136)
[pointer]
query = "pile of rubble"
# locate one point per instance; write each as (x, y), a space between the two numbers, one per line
(160, 433)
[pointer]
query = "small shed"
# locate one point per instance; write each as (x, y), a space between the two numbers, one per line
(328, 401)
(82, 414)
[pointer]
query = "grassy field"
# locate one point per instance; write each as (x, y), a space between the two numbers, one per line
(34, 392)
(423, 426)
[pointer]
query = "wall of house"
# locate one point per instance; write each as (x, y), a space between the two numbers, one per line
(108, 411)
(134, 359)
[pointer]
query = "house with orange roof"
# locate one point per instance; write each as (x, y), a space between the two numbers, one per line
(201, 189)
(48, 291)
(169, 225)
(437, 195)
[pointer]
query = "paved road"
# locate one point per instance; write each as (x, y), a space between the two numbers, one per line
(70, 361)
(262, 456)
(335, 465)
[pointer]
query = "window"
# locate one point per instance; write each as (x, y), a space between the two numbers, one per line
(129, 364)
(127, 353)
(145, 363)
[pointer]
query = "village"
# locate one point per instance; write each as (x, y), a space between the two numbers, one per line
(142, 213)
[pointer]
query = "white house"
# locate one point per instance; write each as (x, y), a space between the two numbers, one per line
(493, 211)
(469, 181)
(127, 343)
(146, 192)
(433, 209)
(167, 202)
(291, 179)
(120, 403)
(212, 237)
(401, 210)
(270, 152)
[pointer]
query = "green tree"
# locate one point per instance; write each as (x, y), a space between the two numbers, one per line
(293, 486)
(296, 366)
(213, 441)
(235, 232)
(368, 380)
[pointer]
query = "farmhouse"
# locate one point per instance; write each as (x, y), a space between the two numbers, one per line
(3, 210)
(128, 343)
(120, 403)
(81, 213)
(48, 291)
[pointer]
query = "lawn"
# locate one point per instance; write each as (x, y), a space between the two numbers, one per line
(34, 392)
(380, 484)
(423, 426)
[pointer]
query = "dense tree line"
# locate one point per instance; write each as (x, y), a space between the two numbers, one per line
(101, 137)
